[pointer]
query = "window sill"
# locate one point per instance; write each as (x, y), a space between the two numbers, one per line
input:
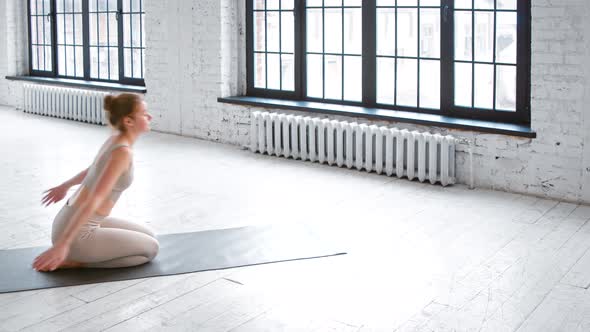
(80, 83)
(385, 114)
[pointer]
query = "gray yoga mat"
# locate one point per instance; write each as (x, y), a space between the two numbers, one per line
(179, 253)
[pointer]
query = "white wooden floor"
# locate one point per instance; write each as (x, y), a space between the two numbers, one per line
(421, 257)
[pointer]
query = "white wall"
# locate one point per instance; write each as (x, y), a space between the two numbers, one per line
(196, 53)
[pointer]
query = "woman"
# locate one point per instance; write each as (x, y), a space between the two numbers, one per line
(83, 234)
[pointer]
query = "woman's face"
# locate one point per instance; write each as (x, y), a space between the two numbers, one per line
(142, 118)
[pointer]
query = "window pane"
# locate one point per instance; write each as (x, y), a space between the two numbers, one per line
(61, 60)
(353, 80)
(430, 33)
(114, 55)
(47, 36)
(33, 31)
(40, 29)
(407, 2)
(484, 86)
(272, 4)
(430, 84)
(315, 79)
(353, 28)
(79, 29)
(79, 61)
(313, 3)
(385, 2)
(429, 2)
(102, 28)
(314, 30)
(126, 7)
(287, 32)
(333, 30)
(103, 63)
(112, 5)
(69, 32)
(463, 33)
(407, 78)
(127, 30)
(259, 4)
(92, 30)
(484, 4)
(127, 60)
(260, 70)
(386, 81)
(137, 63)
(142, 24)
(135, 6)
(259, 31)
(35, 57)
(33, 7)
(333, 3)
(92, 5)
(287, 4)
(113, 30)
(333, 75)
(48, 58)
(407, 32)
(78, 6)
(463, 4)
(506, 4)
(463, 84)
(93, 62)
(385, 31)
(70, 65)
(288, 71)
(506, 88)
(506, 38)
(273, 71)
(272, 32)
(136, 30)
(102, 5)
(41, 58)
(484, 36)
(353, 3)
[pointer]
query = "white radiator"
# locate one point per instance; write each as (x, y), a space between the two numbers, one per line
(67, 103)
(403, 153)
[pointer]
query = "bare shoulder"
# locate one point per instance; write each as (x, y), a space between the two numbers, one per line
(122, 154)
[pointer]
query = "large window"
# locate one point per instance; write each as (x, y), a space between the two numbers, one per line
(459, 58)
(97, 40)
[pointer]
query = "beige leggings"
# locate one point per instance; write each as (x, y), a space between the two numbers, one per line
(107, 242)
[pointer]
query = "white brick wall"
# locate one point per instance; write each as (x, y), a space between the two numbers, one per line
(14, 51)
(196, 53)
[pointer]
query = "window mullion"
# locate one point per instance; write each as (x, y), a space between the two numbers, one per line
(523, 61)
(54, 55)
(120, 39)
(86, 38)
(447, 83)
(369, 53)
(300, 49)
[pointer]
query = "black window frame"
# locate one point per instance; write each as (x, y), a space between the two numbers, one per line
(520, 116)
(54, 72)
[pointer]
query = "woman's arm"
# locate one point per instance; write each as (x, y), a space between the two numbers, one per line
(76, 180)
(56, 194)
(119, 161)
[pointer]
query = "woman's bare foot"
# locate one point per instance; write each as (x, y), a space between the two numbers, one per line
(70, 265)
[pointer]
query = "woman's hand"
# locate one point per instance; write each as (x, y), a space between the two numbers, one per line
(52, 258)
(54, 194)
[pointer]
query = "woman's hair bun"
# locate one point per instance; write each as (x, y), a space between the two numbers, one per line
(108, 102)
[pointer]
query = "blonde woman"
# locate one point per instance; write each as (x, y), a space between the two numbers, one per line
(83, 233)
